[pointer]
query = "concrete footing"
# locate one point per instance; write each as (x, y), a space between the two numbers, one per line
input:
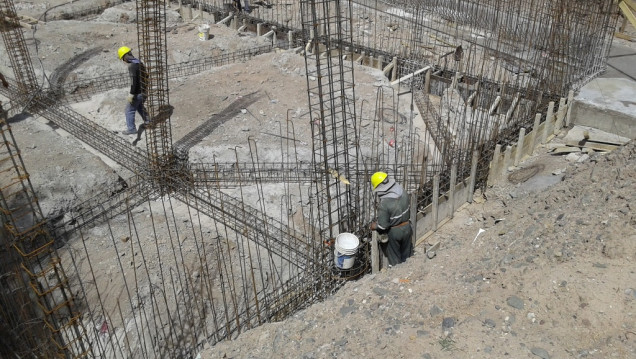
(608, 104)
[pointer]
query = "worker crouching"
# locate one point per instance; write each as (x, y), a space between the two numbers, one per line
(394, 213)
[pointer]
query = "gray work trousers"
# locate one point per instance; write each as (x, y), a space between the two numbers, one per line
(399, 246)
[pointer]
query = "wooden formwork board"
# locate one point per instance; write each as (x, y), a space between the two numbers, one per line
(627, 9)
(27, 22)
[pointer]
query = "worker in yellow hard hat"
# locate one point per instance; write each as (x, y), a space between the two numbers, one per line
(137, 94)
(394, 214)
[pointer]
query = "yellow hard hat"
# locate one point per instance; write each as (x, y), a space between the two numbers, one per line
(123, 51)
(378, 178)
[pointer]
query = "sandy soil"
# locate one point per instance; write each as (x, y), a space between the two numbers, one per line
(544, 268)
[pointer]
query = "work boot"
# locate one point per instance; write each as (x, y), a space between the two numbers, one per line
(129, 132)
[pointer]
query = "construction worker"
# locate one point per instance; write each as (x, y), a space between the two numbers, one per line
(237, 5)
(5, 84)
(137, 94)
(393, 219)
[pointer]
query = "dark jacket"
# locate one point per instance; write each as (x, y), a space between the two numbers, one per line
(394, 207)
(138, 77)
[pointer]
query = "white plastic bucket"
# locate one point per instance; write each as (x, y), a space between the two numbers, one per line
(204, 32)
(346, 248)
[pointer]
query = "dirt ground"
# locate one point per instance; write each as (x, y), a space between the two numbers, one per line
(551, 275)
(544, 268)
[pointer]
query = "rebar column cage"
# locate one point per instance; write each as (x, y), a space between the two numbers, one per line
(151, 26)
(330, 86)
(13, 37)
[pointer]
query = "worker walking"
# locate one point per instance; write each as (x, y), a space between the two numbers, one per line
(393, 219)
(237, 5)
(5, 84)
(137, 94)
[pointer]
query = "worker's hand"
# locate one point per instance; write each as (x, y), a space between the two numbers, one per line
(373, 226)
(131, 98)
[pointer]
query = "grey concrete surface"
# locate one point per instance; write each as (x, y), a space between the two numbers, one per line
(621, 63)
(608, 102)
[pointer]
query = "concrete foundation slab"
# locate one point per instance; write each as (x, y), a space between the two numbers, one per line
(608, 104)
(620, 63)
(579, 133)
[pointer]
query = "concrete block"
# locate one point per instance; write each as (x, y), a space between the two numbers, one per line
(608, 105)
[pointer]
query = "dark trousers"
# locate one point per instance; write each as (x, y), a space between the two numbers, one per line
(400, 246)
(131, 108)
(237, 5)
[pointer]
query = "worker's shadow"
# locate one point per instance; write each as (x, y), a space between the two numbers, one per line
(21, 117)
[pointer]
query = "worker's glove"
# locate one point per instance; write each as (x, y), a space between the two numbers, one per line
(131, 98)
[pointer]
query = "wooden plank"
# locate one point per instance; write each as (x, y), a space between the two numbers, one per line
(597, 146)
(623, 36)
(388, 68)
(26, 25)
(548, 123)
(565, 149)
(451, 192)
(506, 162)
(570, 105)
(535, 133)
(473, 174)
(426, 235)
(404, 78)
(520, 146)
(435, 201)
(493, 173)
(28, 19)
(560, 116)
(375, 256)
(627, 12)
(492, 109)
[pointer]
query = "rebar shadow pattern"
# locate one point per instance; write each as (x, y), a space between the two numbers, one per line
(193, 137)
(82, 90)
(50, 310)
(266, 232)
(197, 267)
(106, 142)
(106, 204)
